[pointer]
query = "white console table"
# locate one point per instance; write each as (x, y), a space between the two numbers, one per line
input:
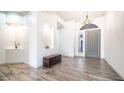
(14, 55)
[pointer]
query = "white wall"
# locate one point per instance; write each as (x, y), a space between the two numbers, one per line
(68, 39)
(114, 44)
(13, 32)
(51, 19)
(100, 22)
(32, 41)
(2, 38)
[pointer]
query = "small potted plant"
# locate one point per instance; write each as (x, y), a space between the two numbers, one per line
(47, 47)
(16, 44)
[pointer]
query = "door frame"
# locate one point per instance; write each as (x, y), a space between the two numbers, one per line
(83, 53)
(83, 31)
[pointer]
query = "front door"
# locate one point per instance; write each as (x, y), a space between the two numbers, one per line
(92, 43)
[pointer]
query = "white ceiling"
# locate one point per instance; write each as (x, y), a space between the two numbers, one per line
(79, 15)
(21, 13)
(66, 15)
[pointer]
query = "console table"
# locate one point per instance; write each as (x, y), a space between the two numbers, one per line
(51, 60)
(14, 55)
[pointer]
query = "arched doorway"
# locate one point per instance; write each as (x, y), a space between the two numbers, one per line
(89, 41)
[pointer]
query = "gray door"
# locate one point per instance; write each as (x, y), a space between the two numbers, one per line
(92, 43)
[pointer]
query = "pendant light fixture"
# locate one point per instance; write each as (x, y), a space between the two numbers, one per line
(87, 19)
(87, 23)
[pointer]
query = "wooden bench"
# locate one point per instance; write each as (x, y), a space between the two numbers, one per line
(51, 60)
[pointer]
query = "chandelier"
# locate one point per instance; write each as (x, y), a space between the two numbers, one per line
(87, 19)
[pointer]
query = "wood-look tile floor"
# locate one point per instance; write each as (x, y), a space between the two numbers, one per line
(71, 69)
